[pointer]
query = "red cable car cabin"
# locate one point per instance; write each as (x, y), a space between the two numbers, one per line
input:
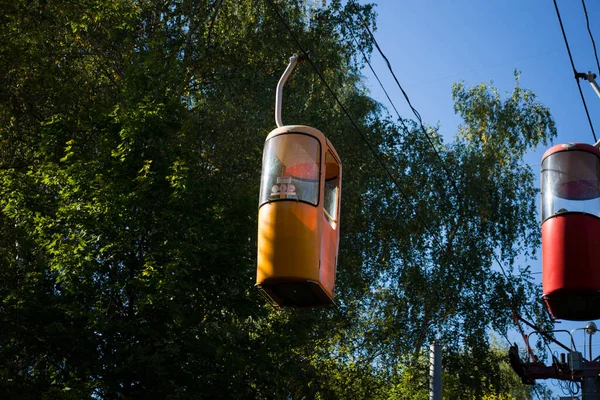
(571, 231)
(298, 218)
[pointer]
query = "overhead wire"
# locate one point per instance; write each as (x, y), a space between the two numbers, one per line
(419, 119)
(413, 109)
(587, 22)
(418, 116)
(400, 119)
(403, 123)
(575, 74)
(505, 336)
(448, 174)
(406, 129)
(381, 85)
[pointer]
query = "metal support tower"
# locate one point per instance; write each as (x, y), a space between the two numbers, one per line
(573, 365)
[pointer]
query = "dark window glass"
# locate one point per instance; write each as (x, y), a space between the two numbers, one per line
(290, 169)
(570, 183)
(332, 189)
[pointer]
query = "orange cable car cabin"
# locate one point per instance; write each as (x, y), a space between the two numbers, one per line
(298, 218)
(571, 231)
(298, 214)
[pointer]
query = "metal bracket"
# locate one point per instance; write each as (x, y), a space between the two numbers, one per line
(591, 78)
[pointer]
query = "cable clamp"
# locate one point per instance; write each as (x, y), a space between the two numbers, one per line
(583, 75)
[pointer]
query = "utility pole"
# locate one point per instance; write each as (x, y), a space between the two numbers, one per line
(435, 371)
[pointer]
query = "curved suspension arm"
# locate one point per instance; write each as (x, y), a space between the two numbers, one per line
(279, 94)
(591, 78)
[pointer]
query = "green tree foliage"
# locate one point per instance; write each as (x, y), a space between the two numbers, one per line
(504, 384)
(131, 135)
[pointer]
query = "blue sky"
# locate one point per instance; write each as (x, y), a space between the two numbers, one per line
(432, 44)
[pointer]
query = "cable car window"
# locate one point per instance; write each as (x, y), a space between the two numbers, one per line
(291, 169)
(570, 183)
(332, 189)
